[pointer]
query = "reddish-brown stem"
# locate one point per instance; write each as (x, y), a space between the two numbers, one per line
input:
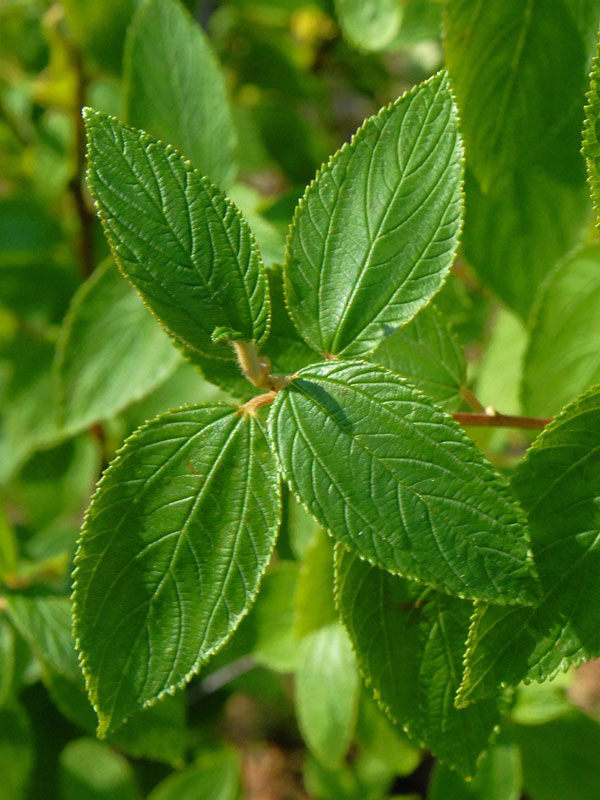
(496, 420)
(470, 399)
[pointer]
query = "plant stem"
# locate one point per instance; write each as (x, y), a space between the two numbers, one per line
(494, 420)
(470, 399)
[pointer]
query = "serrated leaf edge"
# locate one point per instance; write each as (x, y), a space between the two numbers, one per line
(89, 113)
(328, 165)
(105, 723)
(506, 493)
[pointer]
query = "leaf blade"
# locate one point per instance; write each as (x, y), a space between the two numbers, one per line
(404, 245)
(173, 489)
(176, 237)
(365, 451)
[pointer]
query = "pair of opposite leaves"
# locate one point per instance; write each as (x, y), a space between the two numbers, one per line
(184, 521)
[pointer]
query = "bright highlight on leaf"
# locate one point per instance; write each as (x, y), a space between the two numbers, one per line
(395, 479)
(174, 545)
(179, 240)
(376, 232)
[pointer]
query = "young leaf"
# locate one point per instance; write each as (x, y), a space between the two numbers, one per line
(563, 358)
(91, 770)
(427, 353)
(558, 484)
(111, 351)
(175, 88)
(179, 240)
(409, 644)
(591, 132)
(327, 689)
(369, 25)
(172, 551)
(520, 98)
(214, 776)
(376, 232)
(397, 480)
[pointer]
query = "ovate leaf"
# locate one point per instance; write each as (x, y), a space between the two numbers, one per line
(372, 25)
(427, 353)
(174, 545)
(591, 133)
(91, 770)
(409, 643)
(214, 776)
(175, 88)
(558, 484)
(111, 351)
(518, 68)
(397, 480)
(179, 240)
(563, 357)
(327, 689)
(376, 232)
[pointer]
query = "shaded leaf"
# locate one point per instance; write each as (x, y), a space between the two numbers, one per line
(214, 776)
(16, 752)
(397, 480)
(376, 232)
(175, 88)
(409, 644)
(563, 357)
(327, 688)
(558, 484)
(91, 770)
(196, 494)
(426, 352)
(372, 25)
(518, 69)
(111, 351)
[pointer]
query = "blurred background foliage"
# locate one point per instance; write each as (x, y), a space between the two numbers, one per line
(300, 77)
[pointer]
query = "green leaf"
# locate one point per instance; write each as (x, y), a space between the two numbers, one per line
(498, 777)
(91, 770)
(100, 29)
(271, 623)
(397, 480)
(173, 548)
(563, 358)
(520, 98)
(111, 351)
(175, 88)
(558, 484)
(7, 659)
(516, 232)
(16, 752)
(314, 602)
(178, 239)
(371, 26)
(427, 353)
(44, 620)
(500, 371)
(409, 643)
(214, 776)
(327, 685)
(376, 232)
(559, 758)
(9, 553)
(377, 735)
(591, 132)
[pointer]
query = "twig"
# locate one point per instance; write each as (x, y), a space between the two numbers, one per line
(491, 419)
